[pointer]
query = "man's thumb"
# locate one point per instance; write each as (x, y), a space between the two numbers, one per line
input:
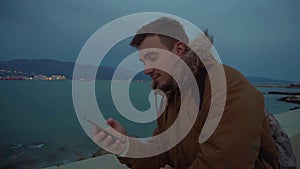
(111, 122)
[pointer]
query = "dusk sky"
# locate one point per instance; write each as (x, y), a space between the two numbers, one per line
(257, 37)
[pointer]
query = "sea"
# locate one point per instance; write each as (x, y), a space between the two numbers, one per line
(39, 126)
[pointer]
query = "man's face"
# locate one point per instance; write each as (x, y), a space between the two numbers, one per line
(153, 53)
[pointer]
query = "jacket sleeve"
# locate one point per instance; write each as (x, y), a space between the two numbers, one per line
(241, 134)
(153, 162)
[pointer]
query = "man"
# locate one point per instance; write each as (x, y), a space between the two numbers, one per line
(242, 139)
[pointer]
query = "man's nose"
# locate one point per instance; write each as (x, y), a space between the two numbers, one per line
(148, 70)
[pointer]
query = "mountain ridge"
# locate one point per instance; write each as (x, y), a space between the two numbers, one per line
(49, 67)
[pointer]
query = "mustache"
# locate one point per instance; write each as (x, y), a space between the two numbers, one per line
(169, 85)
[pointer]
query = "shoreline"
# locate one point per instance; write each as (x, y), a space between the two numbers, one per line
(277, 86)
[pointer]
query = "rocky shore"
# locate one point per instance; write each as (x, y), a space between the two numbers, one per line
(285, 93)
(291, 97)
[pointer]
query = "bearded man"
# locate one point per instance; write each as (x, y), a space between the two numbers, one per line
(242, 138)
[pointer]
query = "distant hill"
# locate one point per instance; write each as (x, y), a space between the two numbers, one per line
(39, 66)
(50, 67)
(267, 81)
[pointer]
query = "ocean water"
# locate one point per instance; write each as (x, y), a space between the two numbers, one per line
(41, 113)
(39, 126)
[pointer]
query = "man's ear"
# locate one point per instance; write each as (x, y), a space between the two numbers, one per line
(179, 48)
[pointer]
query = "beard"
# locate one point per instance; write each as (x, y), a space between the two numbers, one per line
(169, 85)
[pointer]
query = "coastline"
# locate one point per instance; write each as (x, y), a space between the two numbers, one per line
(277, 86)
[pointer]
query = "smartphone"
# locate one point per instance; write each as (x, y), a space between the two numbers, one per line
(114, 137)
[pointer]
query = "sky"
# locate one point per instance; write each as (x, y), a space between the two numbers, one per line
(257, 37)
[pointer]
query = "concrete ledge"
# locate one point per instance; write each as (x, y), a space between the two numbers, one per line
(295, 140)
(290, 121)
(108, 161)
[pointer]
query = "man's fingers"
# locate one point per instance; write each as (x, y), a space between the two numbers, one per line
(114, 147)
(121, 148)
(95, 130)
(118, 147)
(115, 133)
(99, 137)
(106, 141)
(109, 138)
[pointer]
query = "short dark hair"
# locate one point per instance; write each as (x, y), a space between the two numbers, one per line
(169, 31)
(169, 42)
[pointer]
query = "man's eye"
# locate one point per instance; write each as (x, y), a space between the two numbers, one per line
(152, 56)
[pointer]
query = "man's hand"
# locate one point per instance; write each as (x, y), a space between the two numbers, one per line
(166, 167)
(109, 139)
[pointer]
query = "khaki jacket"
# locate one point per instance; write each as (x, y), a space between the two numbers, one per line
(242, 139)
